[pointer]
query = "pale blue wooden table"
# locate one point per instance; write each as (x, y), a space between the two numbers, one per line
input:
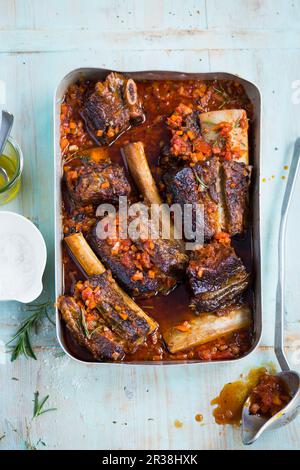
(115, 407)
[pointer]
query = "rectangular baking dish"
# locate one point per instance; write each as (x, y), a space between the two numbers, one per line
(254, 138)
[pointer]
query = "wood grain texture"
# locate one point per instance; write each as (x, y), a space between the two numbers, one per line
(31, 41)
(117, 407)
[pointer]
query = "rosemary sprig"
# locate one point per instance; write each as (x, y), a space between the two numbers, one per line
(22, 343)
(201, 183)
(220, 92)
(38, 405)
(29, 445)
(223, 104)
(37, 411)
(25, 439)
(84, 325)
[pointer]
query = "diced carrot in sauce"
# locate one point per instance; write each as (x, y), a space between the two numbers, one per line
(124, 316)
(110, 132)
(184, 328)
(86, 293)
(223, 237)
(174, 101)
(64, 143)
(200, 272)
(138, 276)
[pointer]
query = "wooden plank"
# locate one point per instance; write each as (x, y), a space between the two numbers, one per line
(107, 407)
(127, 15)
(30, 41)
(253, 14)
(104, 15)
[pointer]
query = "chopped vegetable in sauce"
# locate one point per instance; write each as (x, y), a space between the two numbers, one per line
(268, 395)
(164, 116)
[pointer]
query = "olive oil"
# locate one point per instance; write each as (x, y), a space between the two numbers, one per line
(10, 172)
(9, 169)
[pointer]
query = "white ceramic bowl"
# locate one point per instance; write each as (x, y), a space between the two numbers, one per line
(22, 258)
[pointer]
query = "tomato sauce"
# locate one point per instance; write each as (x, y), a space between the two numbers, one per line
(232, 397)
(159, 99)
(268, 394)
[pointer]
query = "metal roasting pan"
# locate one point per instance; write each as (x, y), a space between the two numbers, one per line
(254, 145)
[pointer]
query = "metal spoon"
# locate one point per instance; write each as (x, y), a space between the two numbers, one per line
(6, 125)
(252, 425)
(4, 174)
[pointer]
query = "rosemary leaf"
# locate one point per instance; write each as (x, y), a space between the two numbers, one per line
(220, 92)
(201, 183)
(22, 343)
(84, 325)
(47, 315)
(223, 104)
(38, 405)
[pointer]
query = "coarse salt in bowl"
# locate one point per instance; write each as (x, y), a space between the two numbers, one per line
(22, 258)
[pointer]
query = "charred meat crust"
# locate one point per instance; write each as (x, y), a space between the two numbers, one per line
(92, 182)
(196, 185)
(102, 343)
(206, 174)
(220, 302)
(216, 186)
(223, 134)
(217, 277)
(124, 267)
(100, 318)
(111, 107)
(122, 320)
(181, 185)
(236, 181)
(166, 253)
